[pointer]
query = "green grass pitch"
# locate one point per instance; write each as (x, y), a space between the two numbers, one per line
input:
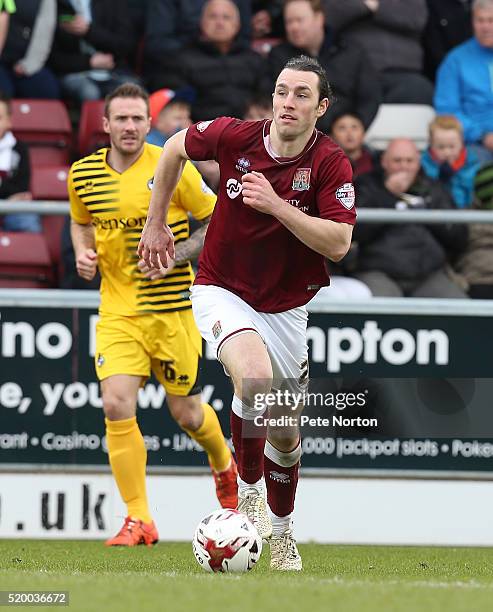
(335, 578)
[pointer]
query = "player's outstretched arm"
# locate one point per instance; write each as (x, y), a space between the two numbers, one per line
(156, 242)
(329, 238)
(86, 259)
(188, 250)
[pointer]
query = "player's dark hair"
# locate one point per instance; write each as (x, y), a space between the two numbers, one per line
(304, 63)
(7, 101)
(126, 90)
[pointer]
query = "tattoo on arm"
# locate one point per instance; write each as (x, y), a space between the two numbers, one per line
(189, 249)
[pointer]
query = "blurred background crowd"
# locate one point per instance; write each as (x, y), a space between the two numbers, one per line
(421, 70)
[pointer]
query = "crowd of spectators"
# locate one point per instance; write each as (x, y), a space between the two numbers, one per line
(199, 59)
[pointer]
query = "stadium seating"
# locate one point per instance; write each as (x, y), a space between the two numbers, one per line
(49, 182)
(400, 121)
(25, 260)
(52, 231)
(42, 123)
(39, 156)
(91, 134)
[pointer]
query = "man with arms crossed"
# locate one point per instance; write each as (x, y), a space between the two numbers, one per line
(146, 320)
(285, 202)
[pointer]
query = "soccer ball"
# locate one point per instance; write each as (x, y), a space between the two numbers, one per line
(226, 541)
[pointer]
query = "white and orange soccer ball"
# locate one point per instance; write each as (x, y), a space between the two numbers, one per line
(226, 541)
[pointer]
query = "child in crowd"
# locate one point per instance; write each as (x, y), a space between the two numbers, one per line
(170, 113)
(475, 265)
(348, 131)
(450, 161)
(15, 173)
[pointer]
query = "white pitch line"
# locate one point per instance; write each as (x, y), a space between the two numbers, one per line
(340, 581)
(300, 578)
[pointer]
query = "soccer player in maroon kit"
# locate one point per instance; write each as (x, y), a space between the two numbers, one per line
(285, 202)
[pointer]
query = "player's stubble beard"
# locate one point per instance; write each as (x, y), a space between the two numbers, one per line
(129, 151)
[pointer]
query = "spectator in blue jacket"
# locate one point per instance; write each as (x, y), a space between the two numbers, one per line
(450, 161)
(464, 83)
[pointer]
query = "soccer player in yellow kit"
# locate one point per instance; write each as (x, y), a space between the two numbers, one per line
(146, 321)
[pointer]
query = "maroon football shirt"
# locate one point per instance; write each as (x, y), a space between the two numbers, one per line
(251, 253)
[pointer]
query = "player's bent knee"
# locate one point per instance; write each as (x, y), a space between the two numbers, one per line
(251, 388)
(284, 439)
(186, 411)
(117, 408)
(188, 420)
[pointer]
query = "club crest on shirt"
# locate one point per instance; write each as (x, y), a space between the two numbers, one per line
(243, 164)
(345, 195)
(203, 125)
(217, 329)
(233, 188)
(301, 179)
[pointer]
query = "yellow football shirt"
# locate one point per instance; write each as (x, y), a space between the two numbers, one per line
(116, 205)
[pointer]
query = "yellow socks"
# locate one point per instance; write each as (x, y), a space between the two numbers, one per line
(210, 436)
(128, 458)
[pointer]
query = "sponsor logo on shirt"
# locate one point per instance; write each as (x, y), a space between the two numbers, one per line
(217, 329)
(88, 185)
(233, 188)
(301, 179)
(296, 204)
(345, 195)
(203, 125)
(243, 164)
(118, 223)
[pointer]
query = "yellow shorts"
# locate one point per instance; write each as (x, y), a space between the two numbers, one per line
(168, 343)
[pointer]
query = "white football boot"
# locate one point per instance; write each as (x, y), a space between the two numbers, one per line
(253, 504)
(284, 555)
